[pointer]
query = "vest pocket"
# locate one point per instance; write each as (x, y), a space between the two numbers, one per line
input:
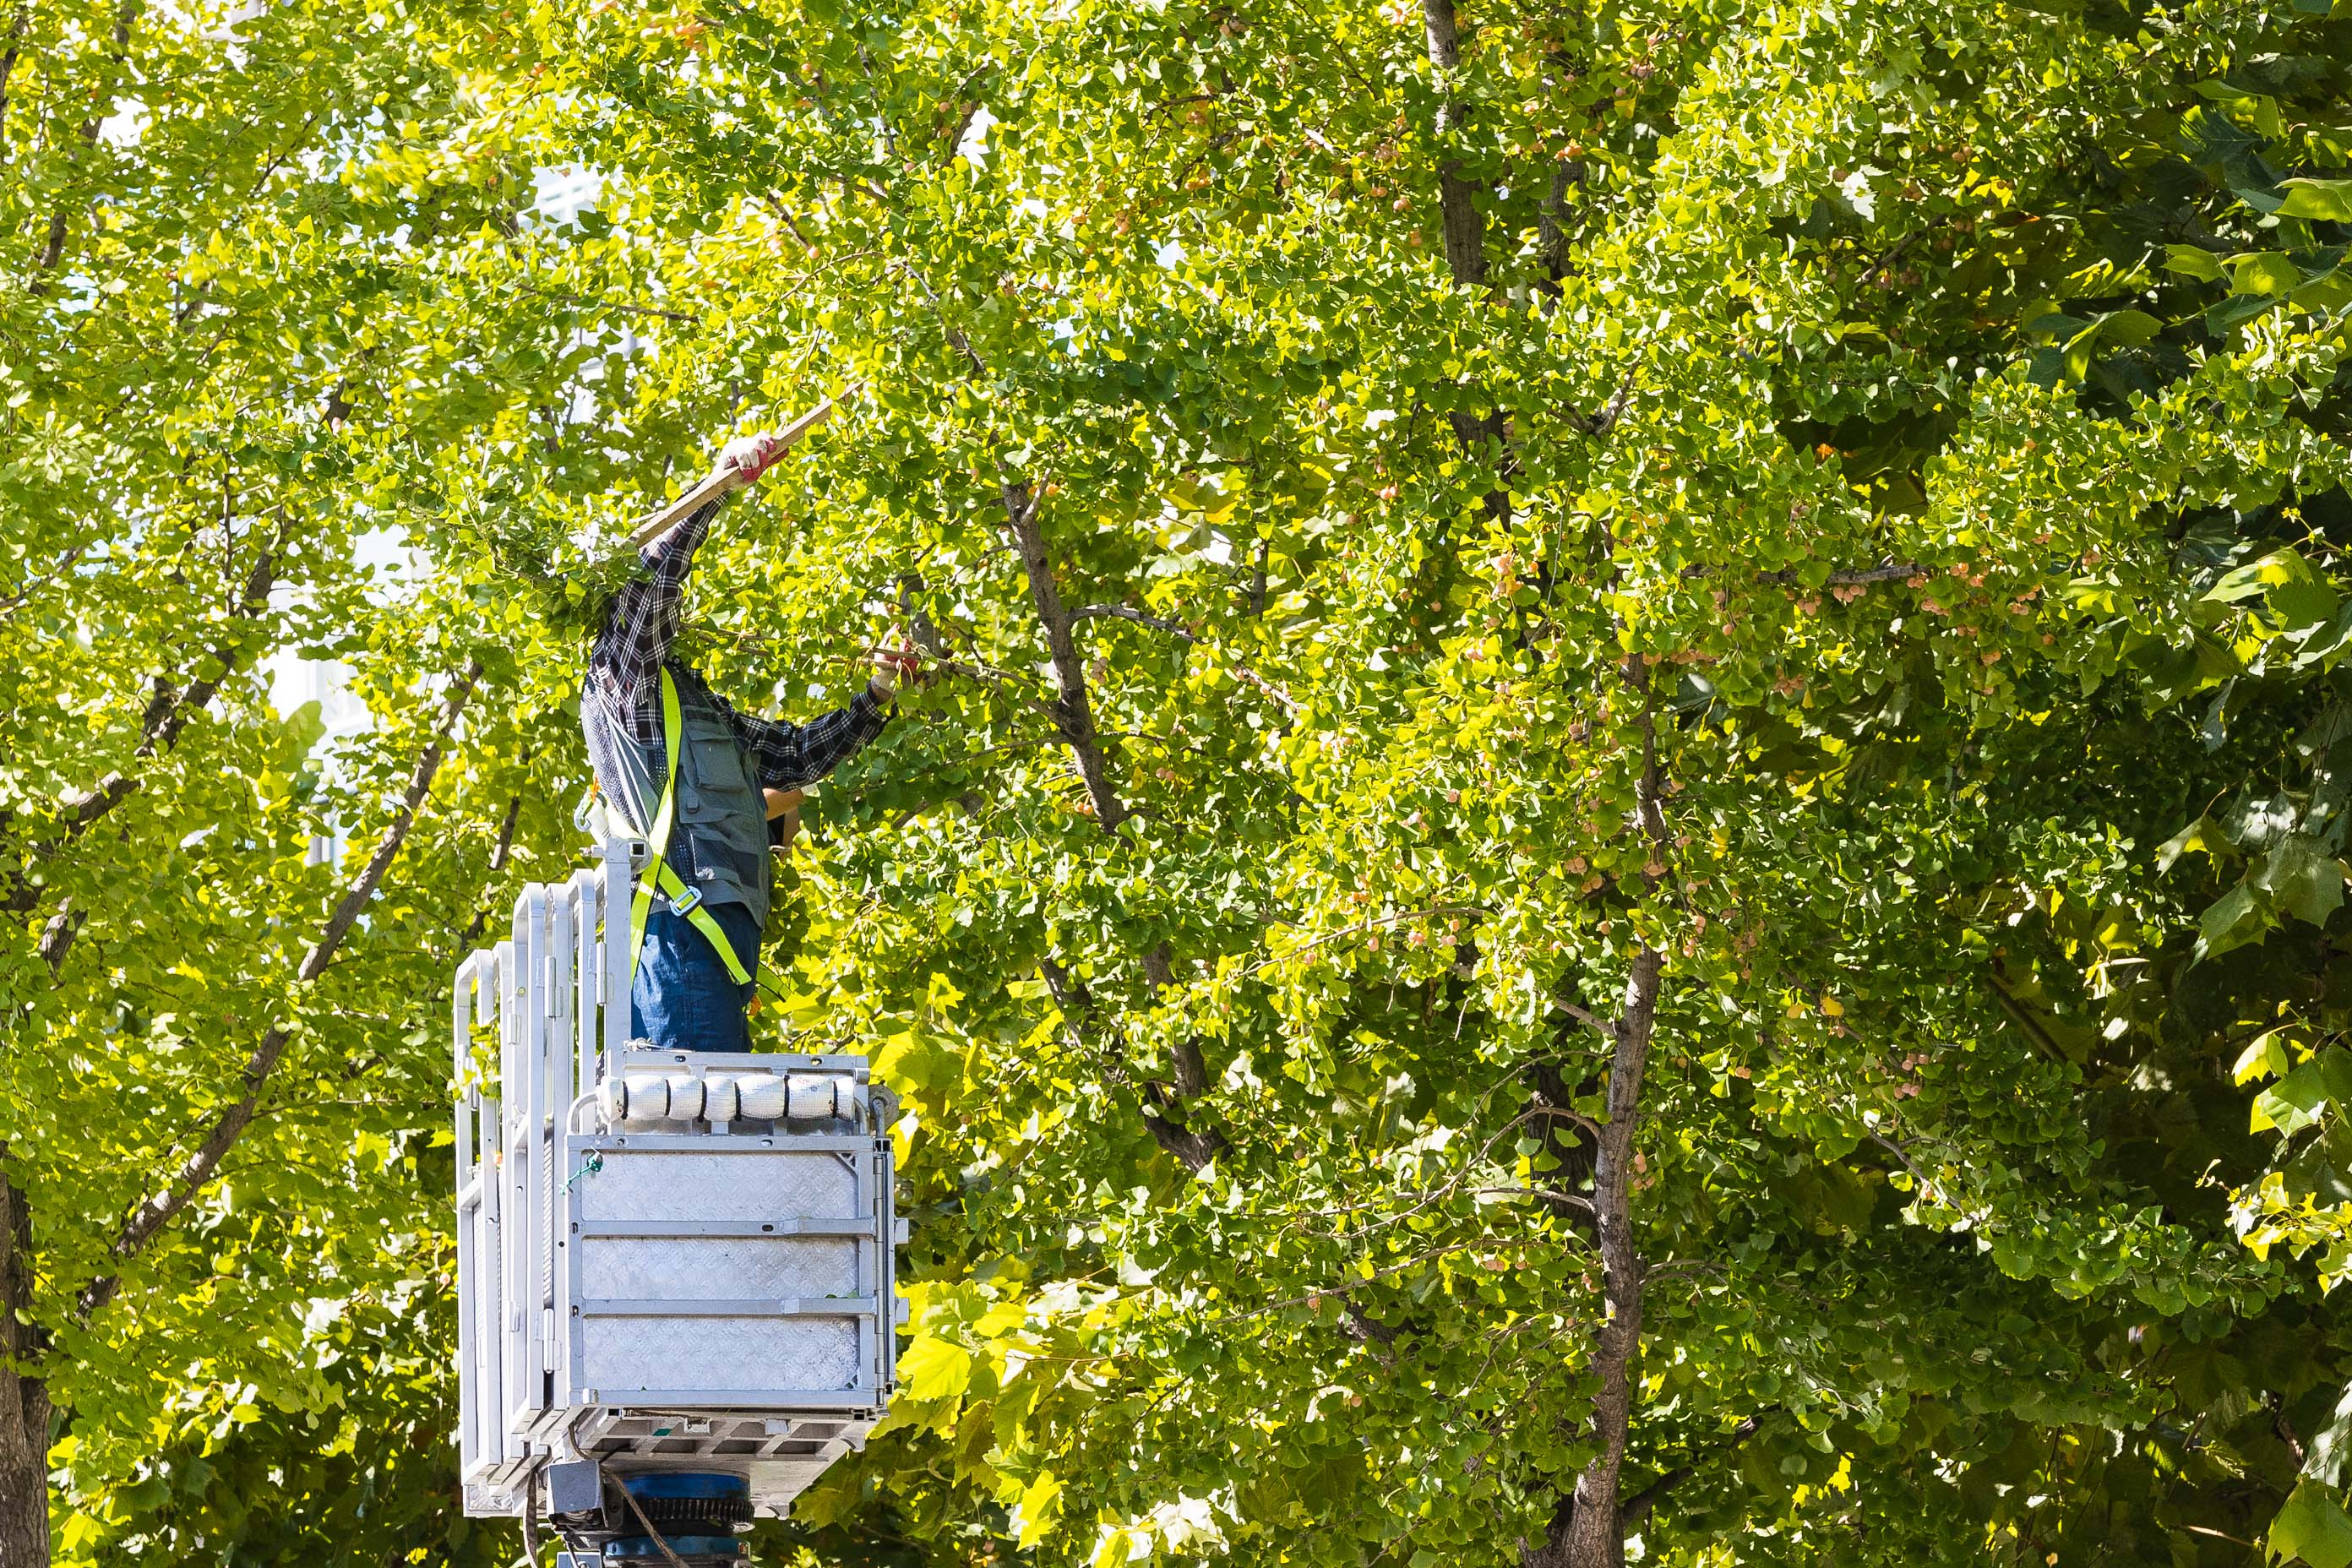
(722, 831)
(713, 783)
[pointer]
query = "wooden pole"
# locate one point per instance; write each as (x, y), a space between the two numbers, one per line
(647, 529)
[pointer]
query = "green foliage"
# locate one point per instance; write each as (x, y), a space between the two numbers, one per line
(1846, 570)
(224, 239)
(2313, 1527)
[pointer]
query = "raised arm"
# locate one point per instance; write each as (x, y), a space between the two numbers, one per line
(794, 756)
(644, 620)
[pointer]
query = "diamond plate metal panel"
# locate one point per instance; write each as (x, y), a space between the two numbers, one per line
(753, 1185)
(694, 1268)
(624, 1354)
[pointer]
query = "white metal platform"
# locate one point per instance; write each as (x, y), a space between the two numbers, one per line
(666, 1260)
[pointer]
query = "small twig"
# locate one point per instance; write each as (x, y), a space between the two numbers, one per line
(2217, 1535)
(1636, 1508)
(1346, 1286)
(1574, 1200)
(1178, 629)
(1888, 257)
(1189, 98)
(2023, 1019)
(1600, 424)
(1585, 1018)
(1123, 613)
(955, 337)
(35, 580)
(1424, 1199)
(1363, 926)
(1558, 1113)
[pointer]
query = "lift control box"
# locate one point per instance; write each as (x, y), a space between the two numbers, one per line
(667, 1260)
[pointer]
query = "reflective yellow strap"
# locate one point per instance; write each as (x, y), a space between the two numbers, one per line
(701, 920)
(658, 872)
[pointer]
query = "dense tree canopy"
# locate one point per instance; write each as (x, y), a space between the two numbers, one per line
(1633, 829)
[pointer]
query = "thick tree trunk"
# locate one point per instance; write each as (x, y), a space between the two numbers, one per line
(1457, 206)
(24, 1472)
(1594, 1537)
(25, 1492)
(23, 1398)
(1587, 1531)
(1465, 230)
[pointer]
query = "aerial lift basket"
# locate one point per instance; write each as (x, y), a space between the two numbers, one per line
(669, 1264)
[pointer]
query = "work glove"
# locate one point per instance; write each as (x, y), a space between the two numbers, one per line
(746, 458)
(895, 657)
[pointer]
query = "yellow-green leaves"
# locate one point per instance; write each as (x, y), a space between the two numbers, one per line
(2193, 262)
(935, 1369)
(1909, 431)
(2313, 1527)
(2330, 200)
(2303, 1095)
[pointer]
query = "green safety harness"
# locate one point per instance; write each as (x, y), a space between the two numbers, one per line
(683, 900)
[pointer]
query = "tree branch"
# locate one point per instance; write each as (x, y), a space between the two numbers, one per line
(1551, 225)
(1583, 1017)
(1587, 1532)
(1637, 1508)
(1196, 1149)
(1073, 718)
(560, 298)
(1074, 710)
(1162, 1114)
(54, 246)
(16, 26)
(197, 1170)
(1465, 230)
(2025, 1021)
(24, 1407)
(1159, 623)
(499, 854)
(1887, 572)
(167, 713)
(57, 936)
(1184, 634)
(1600, 424)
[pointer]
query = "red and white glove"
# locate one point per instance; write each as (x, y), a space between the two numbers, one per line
(746, 458)
(896, 659)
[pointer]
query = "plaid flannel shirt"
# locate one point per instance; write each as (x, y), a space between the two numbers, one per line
(623, 691)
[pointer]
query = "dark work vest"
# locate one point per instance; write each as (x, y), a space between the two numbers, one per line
(718, 841)
(719, 832)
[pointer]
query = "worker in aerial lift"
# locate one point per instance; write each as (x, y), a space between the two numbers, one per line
(700, 780)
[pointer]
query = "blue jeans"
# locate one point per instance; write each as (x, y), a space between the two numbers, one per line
(683, 998)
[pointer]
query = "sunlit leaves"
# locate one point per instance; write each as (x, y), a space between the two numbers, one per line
(1926, 396)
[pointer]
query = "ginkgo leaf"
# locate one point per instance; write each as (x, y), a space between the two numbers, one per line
(2330, 200)
(2313, 1527)
(935, 1368)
